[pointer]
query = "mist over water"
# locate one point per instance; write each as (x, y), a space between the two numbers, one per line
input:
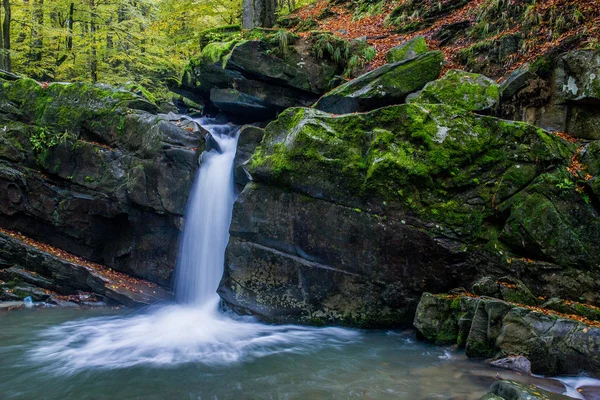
(194, 330)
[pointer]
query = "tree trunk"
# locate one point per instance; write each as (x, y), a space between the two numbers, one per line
(70, 28)
(6, 34)
(93, 51)
(258, 13)
(37, 42)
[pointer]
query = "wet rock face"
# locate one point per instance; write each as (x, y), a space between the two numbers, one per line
(94, 171)
(294, 258)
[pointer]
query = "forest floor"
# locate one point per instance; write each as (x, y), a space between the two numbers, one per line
(579, 20)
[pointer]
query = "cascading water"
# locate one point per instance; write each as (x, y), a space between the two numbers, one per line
(194, 330)
(208, 216)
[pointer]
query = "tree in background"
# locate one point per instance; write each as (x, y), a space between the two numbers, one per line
(5, 37)
(258, 13)
(115, 41)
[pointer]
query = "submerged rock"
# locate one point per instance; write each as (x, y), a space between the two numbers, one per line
(510, 390)
(513, 363)
(388, 84)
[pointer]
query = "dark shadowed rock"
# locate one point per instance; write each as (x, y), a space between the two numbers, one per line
(67, 278)
(249, 139)
(516, 81)
(242, 106)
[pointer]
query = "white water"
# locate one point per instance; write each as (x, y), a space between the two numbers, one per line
(193, 331)
(208, 216)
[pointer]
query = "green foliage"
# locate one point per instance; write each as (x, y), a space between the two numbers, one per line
(145, 41)
(283, 39)
(223, 33)
(412, 15)
(42, 139)
(368, 8)
(351, 55)
(307, 25)
(566, 185)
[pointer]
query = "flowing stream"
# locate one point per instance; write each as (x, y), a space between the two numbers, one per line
(193, 350)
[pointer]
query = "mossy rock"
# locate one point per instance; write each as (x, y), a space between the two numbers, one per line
(437, 317)
(67, 110)
(515, 291)
(551, 220)
(288, 22)
(571, 307)
(388, 84)
(461, 89)
(510, 390)
(407, 50)
(434, 161)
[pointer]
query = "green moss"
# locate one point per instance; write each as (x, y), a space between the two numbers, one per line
(410, 49)
(415, 157)
(543, 66)
(216, 52)
(461, 89)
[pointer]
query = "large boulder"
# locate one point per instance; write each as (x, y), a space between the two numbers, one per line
(255, 59)
(95, 171)
(388, 84)
(554, 343)
(350, 218)
(253, 80)
(461, 89)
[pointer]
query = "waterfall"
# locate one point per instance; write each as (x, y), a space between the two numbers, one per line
(208, 216)
(194, 330)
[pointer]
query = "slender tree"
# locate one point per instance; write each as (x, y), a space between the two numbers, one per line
(6, 34)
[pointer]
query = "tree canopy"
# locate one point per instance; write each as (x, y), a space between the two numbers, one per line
(113, 41)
